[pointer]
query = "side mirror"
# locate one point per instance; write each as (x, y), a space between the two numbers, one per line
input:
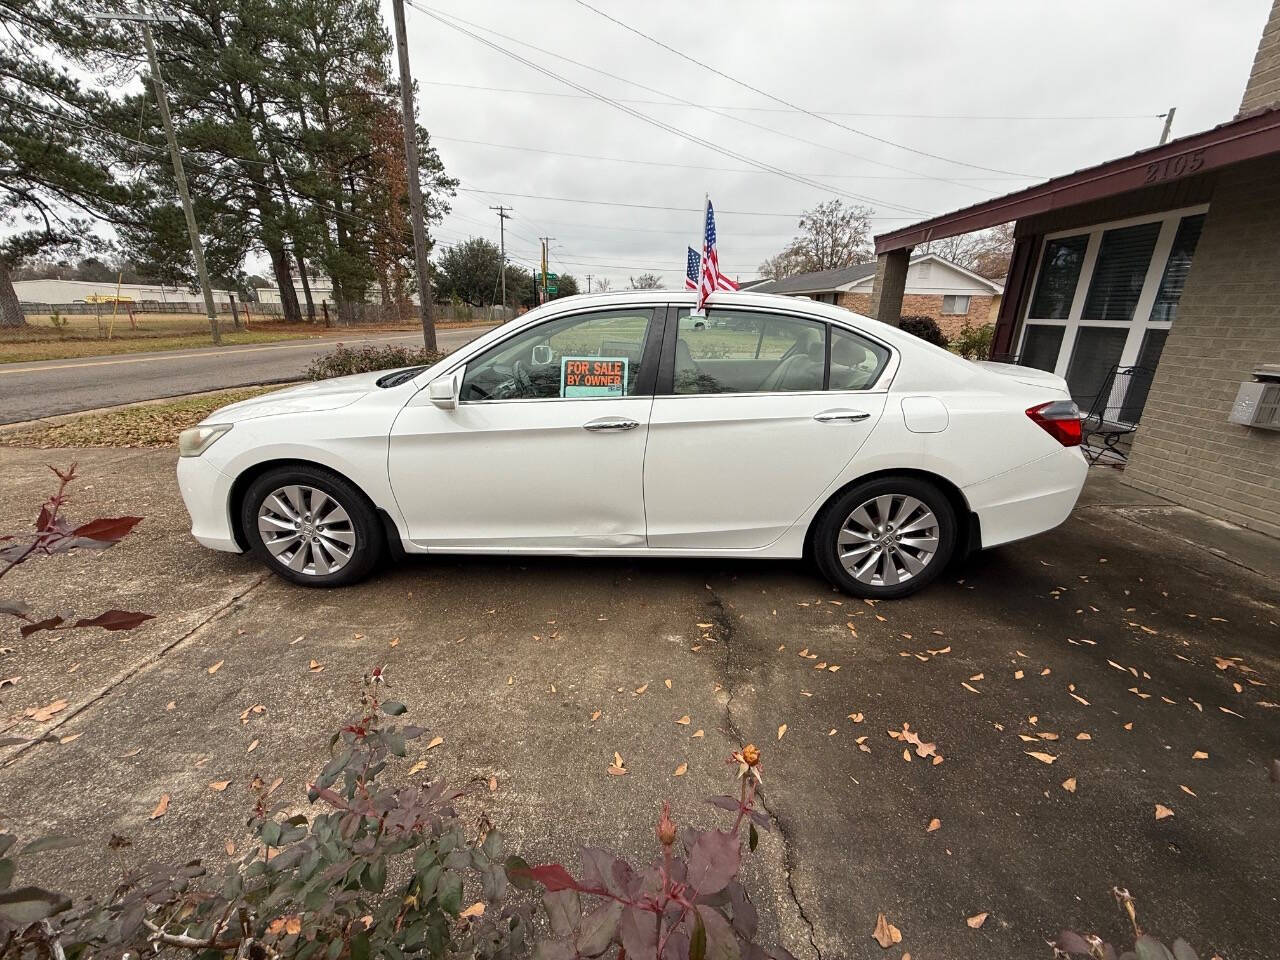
(443, 391)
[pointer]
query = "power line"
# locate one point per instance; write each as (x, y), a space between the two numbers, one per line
(788, 103)
(653, 121)
(646, 206)
(683, 166)
(825, 113)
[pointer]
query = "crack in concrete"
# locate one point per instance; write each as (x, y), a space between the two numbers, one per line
(725, 630)
(139, 666)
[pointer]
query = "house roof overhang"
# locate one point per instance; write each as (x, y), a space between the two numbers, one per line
(1244, 139)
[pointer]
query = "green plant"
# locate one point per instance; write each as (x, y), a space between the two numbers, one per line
(380, 873)
(926, 328)
(974, 343)
(59, 322)
(688, 903)
(347, 360)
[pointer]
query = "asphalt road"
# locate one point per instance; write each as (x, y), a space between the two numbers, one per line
(29, 391)
(1119, 646)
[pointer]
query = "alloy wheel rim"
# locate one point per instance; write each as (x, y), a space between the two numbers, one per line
(888, 540)
(306, 530)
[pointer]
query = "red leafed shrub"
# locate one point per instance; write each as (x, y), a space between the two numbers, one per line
(55, 534)
(688, 903)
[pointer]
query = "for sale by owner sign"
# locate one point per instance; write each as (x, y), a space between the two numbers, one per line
(593, 376)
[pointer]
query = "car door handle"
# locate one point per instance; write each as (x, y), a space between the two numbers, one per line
(841, 416)
(610, 423)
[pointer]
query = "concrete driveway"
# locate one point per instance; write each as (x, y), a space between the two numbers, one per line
(1095, 645)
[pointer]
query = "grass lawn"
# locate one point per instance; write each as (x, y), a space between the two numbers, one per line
(14, 350)
(149, 425)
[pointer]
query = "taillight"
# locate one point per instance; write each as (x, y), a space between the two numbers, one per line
(1060, 419)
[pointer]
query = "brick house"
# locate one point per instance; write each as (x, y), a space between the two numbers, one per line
(935, 288)
(1164, 262)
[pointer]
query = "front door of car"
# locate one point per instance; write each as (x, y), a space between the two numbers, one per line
(750, 425)
(545, 448)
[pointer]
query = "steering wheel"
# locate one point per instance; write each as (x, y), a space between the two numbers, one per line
(518, 386)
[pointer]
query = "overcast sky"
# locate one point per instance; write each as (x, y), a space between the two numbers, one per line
(1117, 63)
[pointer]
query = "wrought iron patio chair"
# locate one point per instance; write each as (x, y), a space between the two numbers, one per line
(1115, 412)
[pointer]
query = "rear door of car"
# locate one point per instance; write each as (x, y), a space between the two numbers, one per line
(751, 421)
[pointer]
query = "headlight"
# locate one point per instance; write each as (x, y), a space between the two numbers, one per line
(193, 442)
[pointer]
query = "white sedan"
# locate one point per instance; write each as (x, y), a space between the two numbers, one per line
(627, 425)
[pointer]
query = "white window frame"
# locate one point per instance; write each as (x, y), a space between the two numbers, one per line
(1141, 322)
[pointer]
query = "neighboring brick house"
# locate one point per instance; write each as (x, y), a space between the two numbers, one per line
(1167, 263)
(935, 288)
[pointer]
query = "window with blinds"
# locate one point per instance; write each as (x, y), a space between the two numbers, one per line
(1097, 350)
(1120, 271)
(1176, 269)
(1059, 272)
(1040, 346)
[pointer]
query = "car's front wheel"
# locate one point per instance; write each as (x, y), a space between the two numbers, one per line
(311, 526)
(886, 538)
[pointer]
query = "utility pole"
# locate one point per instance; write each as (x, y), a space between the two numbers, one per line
(179, 174)
(546, 253)
(1168, 124)
(588, 283)
(503, 217)
(416, 216)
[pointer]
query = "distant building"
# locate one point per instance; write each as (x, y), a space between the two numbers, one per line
(935, 288)
(89, 291)
(321, 292)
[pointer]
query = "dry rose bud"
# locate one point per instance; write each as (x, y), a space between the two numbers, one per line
(666, 827)
(751, 755)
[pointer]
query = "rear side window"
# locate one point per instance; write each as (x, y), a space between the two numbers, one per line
(856, 363)
(730, 351)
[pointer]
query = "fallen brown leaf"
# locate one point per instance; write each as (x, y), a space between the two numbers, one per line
(641, 689)
(977, 920)
(781, 731)
(216, 667)
(885, 933)
(697, 735)
(1042, 757)
(684, 721)
(132, 753)
(969, 688)
(475, 910)
(934, 824)
(435, 742)
(1069, 784)
(1163, 812)
(219, 785)
(1200, 755)
(1187, 790)
(69, 737)
(252, 746)
(418, 767)
(315, 666)
(161, 808)
(595, 715)
(681, 770)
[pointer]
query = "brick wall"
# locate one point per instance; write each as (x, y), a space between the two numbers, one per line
(1263, 90)
(1227, 323)
(919, 305)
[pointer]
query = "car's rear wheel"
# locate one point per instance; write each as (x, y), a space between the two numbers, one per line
(311, 526)
(886, 538)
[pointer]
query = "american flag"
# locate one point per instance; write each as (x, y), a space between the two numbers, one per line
(693, 265)
(710, 278)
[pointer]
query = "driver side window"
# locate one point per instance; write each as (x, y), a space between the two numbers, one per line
(580, 356)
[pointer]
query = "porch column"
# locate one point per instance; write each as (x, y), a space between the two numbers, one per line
(889, 285)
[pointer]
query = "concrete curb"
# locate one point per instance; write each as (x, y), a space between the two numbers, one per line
(21, 425)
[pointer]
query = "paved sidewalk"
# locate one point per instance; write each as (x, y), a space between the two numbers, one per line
(507, 660)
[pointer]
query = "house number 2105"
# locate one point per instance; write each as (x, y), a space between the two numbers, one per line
(1172, 167)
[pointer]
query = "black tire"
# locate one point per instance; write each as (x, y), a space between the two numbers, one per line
(360, 524)
(832, 519)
